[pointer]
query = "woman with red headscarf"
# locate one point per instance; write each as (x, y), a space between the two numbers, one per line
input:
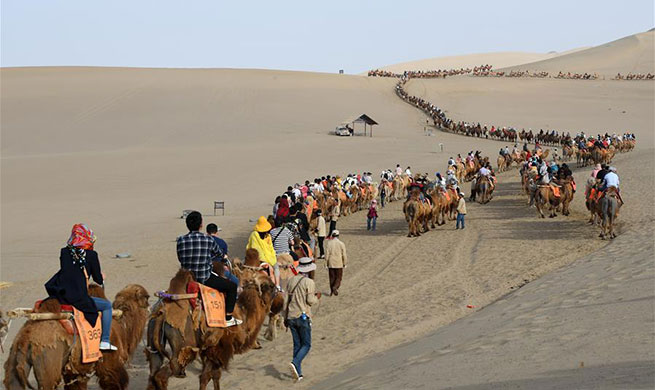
(79, 262)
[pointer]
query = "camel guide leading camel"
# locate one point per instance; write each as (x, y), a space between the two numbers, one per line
(298, 313)
(79, 262)
(195, 251)
(335, 261)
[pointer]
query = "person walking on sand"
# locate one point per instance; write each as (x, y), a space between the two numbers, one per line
(461, 210)
(298, 314)
(321, 232)
(335, 261)
(79, 262)
(372, 216)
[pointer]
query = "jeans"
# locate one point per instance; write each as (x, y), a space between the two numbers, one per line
(301, 331)
(460, 218)
(370, 223)
(104, 306)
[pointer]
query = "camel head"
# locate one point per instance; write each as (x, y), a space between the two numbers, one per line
(131, 294)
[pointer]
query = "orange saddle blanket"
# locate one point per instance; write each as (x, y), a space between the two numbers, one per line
(89, 336)
(213, 302)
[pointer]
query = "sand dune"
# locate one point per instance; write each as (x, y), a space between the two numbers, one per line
(125, 150)
(634, 53)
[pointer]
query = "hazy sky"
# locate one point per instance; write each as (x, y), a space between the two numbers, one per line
(301, 35)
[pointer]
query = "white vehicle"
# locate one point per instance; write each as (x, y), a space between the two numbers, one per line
(343, 131)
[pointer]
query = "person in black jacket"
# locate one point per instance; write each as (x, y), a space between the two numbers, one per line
(79, 262)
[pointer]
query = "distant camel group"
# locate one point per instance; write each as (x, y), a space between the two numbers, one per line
(635, 76)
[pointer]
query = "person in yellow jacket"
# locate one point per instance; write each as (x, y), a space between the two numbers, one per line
(260, 240)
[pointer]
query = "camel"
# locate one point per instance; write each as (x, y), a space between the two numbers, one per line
(54, 354)
(439, 207)
(566, 194)
(417, 214)
(609, 209)
(545, 195)
(484, 189)
(184, 330)
(399, 188)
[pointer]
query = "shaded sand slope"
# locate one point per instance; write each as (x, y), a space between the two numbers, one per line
(497, 59)
(576, 105)
(634, 53)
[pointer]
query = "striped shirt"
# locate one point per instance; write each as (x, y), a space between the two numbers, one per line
(281, 237)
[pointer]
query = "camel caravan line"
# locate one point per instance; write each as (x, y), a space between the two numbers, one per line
(509, 134)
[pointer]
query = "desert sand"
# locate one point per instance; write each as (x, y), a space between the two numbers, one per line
(126, 150)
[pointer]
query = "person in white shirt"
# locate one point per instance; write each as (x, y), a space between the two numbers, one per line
(399, 170)
(484, 171)
(612, 179)
(451, 162)
(408, 172)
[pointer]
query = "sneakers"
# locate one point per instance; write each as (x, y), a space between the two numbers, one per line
(105, 346)
(294, 372)
(232, 322)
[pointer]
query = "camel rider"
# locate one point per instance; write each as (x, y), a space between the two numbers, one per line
(451, 162)
(543, 173)
(611, 179)
(399, 170)
(408, 172)
(506, 150)
(451, 180)
(486, 172)
(441, 182)
(459, 158)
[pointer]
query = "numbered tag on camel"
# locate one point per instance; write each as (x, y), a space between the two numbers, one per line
(213, 302)
(89, 336)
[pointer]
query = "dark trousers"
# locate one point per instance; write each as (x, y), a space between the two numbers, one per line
(333, 227)
(320, 246)
(383, 194)
(301, 331)
(226, 287)
(335, 279)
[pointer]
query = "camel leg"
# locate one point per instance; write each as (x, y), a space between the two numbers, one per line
(156, 361)
(205, 374)
(216, 377)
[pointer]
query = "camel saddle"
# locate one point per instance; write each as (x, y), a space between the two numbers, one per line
(66, 324)
(79, 326)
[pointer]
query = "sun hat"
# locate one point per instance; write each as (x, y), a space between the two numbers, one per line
(305, 265)
(263, 225)
(612, 169)
(335, 233)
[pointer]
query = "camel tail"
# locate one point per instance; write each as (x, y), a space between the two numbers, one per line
(17, 368)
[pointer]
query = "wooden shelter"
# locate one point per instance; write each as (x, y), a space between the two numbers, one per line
(366, 120)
